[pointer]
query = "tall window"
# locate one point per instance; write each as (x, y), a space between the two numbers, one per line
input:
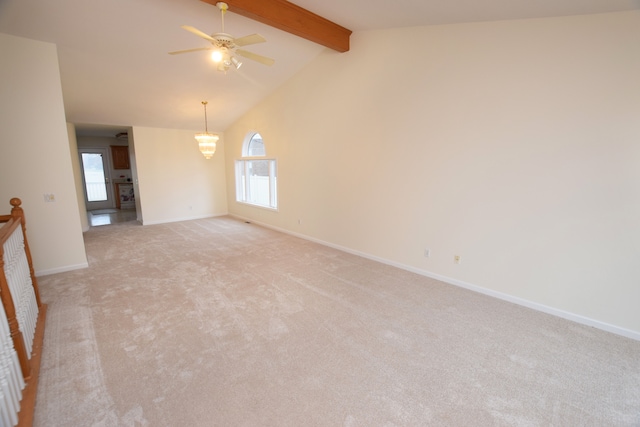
(256, 175)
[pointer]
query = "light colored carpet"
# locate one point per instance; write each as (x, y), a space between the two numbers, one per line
(216, 322)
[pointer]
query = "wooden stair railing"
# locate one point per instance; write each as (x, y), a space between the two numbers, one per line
(25, 319)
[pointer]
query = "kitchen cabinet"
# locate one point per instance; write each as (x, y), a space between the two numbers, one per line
(120, 156)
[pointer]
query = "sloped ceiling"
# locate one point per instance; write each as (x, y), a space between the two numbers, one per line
(116, 71)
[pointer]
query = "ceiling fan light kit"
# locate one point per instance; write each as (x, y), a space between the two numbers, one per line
(235, 62)
(224, 46)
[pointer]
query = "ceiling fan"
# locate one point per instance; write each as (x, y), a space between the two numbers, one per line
(226, 46)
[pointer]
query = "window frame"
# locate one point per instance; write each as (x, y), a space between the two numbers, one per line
(243, 176)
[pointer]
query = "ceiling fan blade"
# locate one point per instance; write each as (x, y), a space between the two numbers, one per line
(251, 39)
(250, 55)
(189, 50)
(198, 33)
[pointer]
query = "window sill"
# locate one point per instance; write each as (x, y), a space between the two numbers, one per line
(257, 206)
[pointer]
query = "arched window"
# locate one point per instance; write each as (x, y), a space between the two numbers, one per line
(256, 177)
(255, 146)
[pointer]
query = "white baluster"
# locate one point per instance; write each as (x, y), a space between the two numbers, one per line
(21, 287)
(11, 381)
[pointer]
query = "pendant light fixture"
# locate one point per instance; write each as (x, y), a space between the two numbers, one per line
(206, 141)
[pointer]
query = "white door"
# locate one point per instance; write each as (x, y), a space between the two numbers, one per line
(98, 191)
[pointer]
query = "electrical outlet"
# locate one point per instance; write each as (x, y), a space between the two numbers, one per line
(427, 253)
(49, 197)
(457, 259)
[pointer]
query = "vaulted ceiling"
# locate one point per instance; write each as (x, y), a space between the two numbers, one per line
(116, 71)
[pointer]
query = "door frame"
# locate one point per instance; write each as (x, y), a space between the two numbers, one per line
(106, 164)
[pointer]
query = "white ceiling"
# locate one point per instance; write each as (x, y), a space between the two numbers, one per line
(115, 69)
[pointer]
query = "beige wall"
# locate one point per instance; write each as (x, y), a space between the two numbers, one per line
(35, 157)
(512, 144)
(174, 180)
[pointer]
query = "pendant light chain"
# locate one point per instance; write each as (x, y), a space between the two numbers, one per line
(206, 130)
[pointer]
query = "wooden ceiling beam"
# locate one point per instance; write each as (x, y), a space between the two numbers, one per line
(293, 19)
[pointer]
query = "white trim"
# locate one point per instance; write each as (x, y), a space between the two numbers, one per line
(61, 269)
(258, 206)
(189, 218)
(628, 333)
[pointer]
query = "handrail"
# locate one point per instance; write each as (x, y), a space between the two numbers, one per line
(18, 213)
(27, 319)
(9, 306)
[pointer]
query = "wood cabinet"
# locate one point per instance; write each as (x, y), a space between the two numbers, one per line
(120, 156)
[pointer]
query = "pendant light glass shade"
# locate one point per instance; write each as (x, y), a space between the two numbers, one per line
(207, 144)
(206, 141)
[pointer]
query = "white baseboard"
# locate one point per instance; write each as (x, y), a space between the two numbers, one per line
(634, 335)
(61, 269)
(189, 218)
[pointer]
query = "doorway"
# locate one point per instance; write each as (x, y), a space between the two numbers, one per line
(96, 178)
